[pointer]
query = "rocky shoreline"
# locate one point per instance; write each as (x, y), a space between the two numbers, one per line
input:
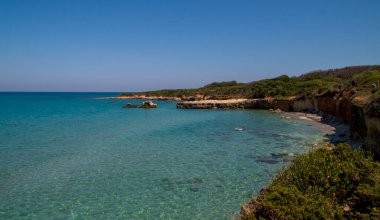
(215, 104)
(361, 116)
(333, 128)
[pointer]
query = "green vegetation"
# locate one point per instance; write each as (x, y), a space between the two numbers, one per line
(368, 79)
(362, 78)
(324, 184)
(222, 84)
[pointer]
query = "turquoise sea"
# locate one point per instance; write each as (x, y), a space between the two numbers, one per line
(70, 156)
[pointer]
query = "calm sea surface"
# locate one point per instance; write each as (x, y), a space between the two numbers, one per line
(70, 156)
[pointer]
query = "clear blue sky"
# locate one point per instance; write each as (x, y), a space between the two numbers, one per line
(134, 45)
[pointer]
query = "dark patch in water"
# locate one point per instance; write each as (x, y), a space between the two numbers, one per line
(165, 180)
(266, 159)
(261, 133)
(218, 152)
(269, 161)
(170, 184)
(282, 145)
(274, 158)
(294, 138)
(250, 156)
(274, 135)
(267, 142)
(193, 189)
(195, 180)
(279, 155)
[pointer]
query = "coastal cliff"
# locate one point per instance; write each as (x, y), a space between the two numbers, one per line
(363, 117)
(372, 123)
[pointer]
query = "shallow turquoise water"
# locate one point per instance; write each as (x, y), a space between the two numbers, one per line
(69, 156)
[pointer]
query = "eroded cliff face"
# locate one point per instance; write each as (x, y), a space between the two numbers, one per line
(327, 103)
(358, 122)
(333, 103)
(302, 104)
(364, 119)
(372, 120)
(344, 109)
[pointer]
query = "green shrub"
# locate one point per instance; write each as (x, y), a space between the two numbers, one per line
(221, 84)
(281, 202)
(324, 184)
(369, 81)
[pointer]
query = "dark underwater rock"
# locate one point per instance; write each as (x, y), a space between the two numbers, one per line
(267, 159)
(279, 155)
(129, 105)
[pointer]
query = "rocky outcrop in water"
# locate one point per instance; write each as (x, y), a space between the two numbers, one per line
(146, 104)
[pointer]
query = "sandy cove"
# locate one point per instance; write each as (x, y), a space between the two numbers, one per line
(333, 129)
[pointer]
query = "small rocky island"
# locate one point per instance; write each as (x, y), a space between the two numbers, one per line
(146, 104)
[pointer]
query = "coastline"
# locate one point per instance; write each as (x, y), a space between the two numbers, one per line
(161, 98)
(334, 129)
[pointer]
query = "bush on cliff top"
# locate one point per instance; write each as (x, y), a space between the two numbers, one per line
(324, 184)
